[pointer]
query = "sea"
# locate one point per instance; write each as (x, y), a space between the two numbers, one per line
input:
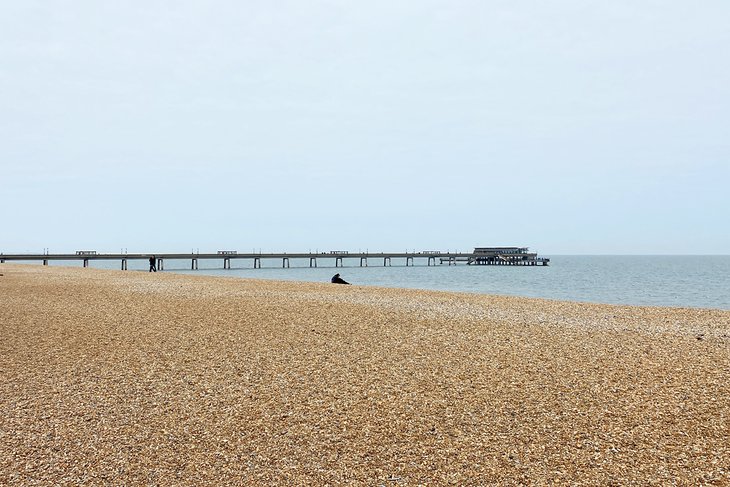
(654, 280)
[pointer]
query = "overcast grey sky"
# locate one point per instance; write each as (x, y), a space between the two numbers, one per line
(567, 126)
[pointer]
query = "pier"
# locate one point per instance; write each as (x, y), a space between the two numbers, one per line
(510, 256)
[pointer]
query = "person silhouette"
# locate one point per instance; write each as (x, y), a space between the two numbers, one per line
(153, 261)
(336, 279)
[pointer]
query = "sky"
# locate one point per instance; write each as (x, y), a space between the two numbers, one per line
(570, 127)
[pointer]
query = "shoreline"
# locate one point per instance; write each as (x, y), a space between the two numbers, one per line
(138, 378)
(234, 274)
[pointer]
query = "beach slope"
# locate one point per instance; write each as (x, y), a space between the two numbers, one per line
(131, 378)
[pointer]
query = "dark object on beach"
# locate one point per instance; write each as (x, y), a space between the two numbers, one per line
(153, 261)
(336, 279)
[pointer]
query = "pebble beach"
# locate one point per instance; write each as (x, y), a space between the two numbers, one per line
(135, 378)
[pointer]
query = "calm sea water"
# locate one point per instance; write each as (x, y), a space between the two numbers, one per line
(684, 281)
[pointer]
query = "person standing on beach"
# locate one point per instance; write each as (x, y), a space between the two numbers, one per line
(336, 279)
(153, 261)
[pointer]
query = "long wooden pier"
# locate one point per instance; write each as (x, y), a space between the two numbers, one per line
(431, 258)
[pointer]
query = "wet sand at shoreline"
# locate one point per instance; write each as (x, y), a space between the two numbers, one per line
(111, 377)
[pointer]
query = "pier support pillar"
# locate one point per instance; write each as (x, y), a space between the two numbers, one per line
(124, 264)
(86, 262)
(257, 262)
(160, 265)
(432, 259)
(338, 262)
(226, 263)
(409, 260)
(386, 261)
(285, 262)
(45, 261)
(363, 261)
(194, 265)
(312, 262)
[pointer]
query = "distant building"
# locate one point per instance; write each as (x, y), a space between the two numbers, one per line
(506, 256)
